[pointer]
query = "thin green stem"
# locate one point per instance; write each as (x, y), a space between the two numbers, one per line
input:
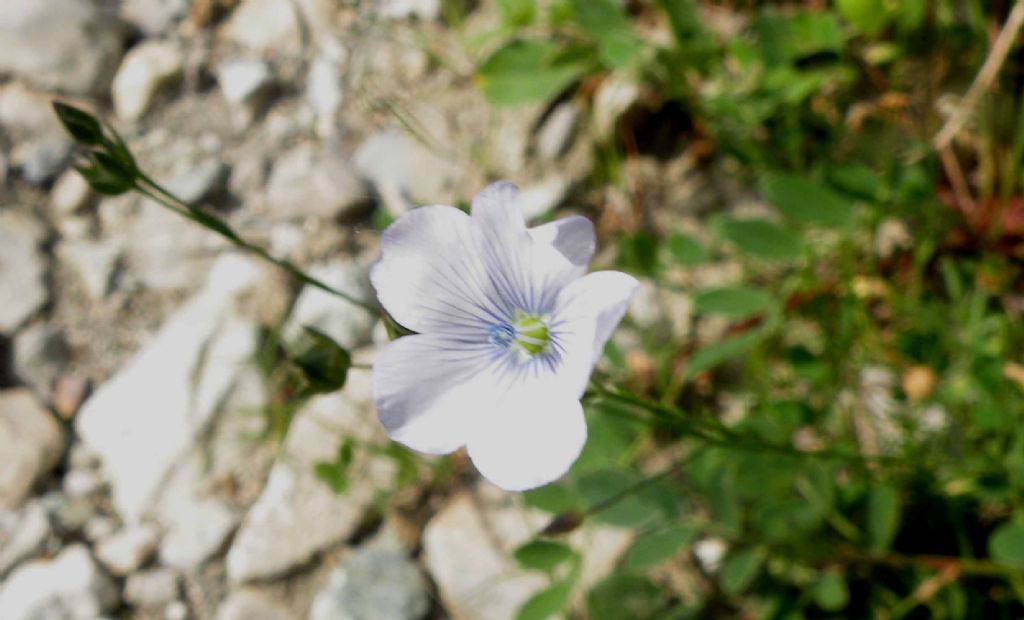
(153, 190)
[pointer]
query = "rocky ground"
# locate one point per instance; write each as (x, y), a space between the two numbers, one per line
(139, 473)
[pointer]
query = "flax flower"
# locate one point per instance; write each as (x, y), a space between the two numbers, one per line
(508, 329)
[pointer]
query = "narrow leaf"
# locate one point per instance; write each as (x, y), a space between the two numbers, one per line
(82, 126)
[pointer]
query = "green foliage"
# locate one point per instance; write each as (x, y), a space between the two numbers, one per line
(544, 555)
(323, 362)
(734, 302)
(527, 71)
(804, 201)
(760, 238)
(657, 546)
(335, 473)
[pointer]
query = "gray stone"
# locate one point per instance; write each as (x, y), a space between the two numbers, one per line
(197, 531)
(66, 45)
(41, 353)
(69, 515)
(250, 605)
(71, 193)
(555, 135)
(176, 610)
(324, 89)
(178, 381)
(165, 251)
(69, 587)
(312, 182)
(404, 172)
(31, 443)
(83, 483)
(613, 98)
(23, 535)
(40, 161)
(153, 16)
(146, 69)
(350, 325)
(376, 581)
(26, 111)
(95, 262)
(126, 550)
(297, 515)
(152, 588)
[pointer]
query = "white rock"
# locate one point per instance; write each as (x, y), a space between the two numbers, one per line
(23, 535)
(66, 45)
(82, 483)
(324, 91)
(153, 16)
(349, 325)
(69, 587)
(24, 110)
(199, 181)
(151, 588)
(71, 193)
(556, 133)
(376, 581)
(311, 182)
(428, 10)
(126, 550)
(42, 159)
(197, 532)
(243, 81)
(404, 172)
(144, 419)
(710, 553)
(270, 26)
(297, 515)
(176, 610)
(537, 200)
(31, 443)
(613, 98)
(476, 580)
(146, 68)
(249, 605)
(165, 251)
(94, 261)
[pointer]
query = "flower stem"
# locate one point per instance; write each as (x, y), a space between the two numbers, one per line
(153, 190)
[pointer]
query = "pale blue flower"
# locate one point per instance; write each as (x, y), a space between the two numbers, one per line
(509, 328)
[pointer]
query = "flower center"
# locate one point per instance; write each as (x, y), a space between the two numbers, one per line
(527, 332)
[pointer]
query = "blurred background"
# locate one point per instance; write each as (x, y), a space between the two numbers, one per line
(822, 200)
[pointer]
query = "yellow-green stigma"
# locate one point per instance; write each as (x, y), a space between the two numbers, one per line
(531, 333)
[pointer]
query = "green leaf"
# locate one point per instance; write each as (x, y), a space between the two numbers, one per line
(517, 12)
(686, 250)
(102, 181)
(683, 17)
(543, 555)
(653, 548)
(1006, 544)
(805, 201)
(526, 71)
(740, 569)
(553, 498)
(638, 253)
(868, 16)
(856, 180)
(761, 238)
(624, 596)
(547, 603)
(333, 477)
(786, 37)
(622, 505)
(82, 126)
(830, 592)
(735, 302)
(883, 517)
(719, 352)
(324, 363)
(606, 22)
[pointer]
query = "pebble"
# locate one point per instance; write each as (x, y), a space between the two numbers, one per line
(349, 325)
(40, 161)
(151, 588)
(243, 81)
(555, 135)
(41, 353)
(153, 17)
(129, 548)
(31, 443)
(146, 69)
(250, 605)
(70, 194)
(95, 263)
(68, 587)
(196, 533)
(312, 182)
(427, 10)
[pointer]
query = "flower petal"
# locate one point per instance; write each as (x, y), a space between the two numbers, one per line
(430, 276)
(531, 439)
(430, 392)
(572, 236)
(527, 274)
(602, 296)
